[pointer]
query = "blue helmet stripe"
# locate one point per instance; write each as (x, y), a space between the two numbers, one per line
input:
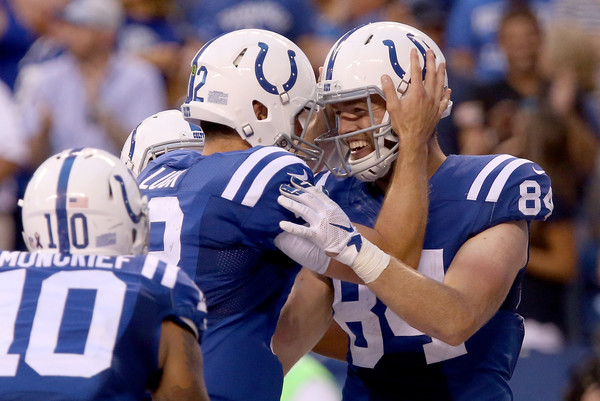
(61, 202)
(132, 144)
(334, 53)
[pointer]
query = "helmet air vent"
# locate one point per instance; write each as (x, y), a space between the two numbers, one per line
(239, 58)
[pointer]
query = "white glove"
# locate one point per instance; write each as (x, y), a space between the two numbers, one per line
(328, 226)
(303, 251)
(329, 229)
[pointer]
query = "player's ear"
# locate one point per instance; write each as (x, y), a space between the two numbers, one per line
(260, 110)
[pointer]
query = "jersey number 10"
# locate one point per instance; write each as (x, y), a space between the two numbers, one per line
(40, 354)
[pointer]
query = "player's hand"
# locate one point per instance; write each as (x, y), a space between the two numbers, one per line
(415, 115)
(328, 227)
(303, 251)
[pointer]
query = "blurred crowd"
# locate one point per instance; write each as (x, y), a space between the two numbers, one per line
(524, 77)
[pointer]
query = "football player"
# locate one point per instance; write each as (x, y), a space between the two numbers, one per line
(85, 315)
(215, 213)
(157, 135)
(449, 331)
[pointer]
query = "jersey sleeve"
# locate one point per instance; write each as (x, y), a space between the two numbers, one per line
(178, 295)
(262, 224)
(521, 191)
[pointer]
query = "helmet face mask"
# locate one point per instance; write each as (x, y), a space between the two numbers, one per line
(378, 133)
(353, 70)
(85, 201)
(158, 134)
(297, 142)
(233, 72)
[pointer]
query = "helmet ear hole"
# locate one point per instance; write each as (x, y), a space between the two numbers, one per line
(260, 110)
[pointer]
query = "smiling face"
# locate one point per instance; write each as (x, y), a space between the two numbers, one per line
(354, 115)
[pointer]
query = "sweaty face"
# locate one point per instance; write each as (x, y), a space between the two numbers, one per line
(354, 115)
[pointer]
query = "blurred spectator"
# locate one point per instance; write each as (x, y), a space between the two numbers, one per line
(472, 35)
(563, 80)
(585, 15)
(21, 23)
(577, 31)
(14, 153)
(571, 69)
(486, 122)
(537, 113)
(155, 31)
(90, 96)
(294, 19)
(553, 250)
(340, 16)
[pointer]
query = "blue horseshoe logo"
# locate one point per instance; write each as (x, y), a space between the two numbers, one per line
(260, 76)
(421, 50)
(394, 58)
(134, 217)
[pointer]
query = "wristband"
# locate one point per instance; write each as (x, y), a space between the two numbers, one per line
(370, 262)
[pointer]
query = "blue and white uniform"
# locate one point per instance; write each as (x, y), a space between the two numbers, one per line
(87, 327)
(217, 216)
(390, 360)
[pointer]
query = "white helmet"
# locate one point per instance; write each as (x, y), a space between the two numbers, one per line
(159, 134)
(352, 71)
(234, 71)
(84, 201)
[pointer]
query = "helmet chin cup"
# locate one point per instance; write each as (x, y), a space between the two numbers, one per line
(376, 169)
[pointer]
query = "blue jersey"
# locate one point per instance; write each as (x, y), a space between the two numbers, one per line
(87, 327)
(217, 216)
(389, 359)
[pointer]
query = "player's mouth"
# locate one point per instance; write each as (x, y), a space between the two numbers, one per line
(359, 148)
